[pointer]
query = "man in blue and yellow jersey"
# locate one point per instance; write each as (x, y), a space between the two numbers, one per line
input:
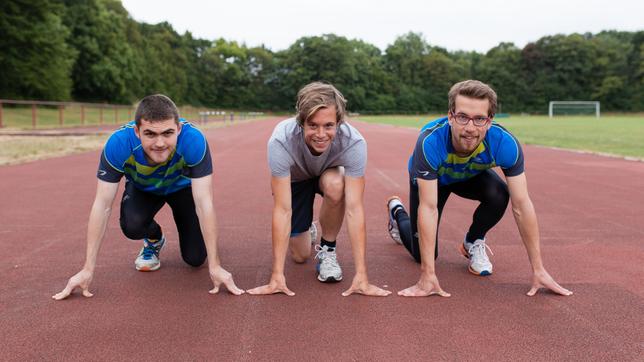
(164, 159)
(456, 154)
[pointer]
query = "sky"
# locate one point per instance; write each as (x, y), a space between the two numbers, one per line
(451, 24)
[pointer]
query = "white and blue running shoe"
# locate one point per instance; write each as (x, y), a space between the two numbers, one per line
(148, 258)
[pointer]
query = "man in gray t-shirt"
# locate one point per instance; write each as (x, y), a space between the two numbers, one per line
(317, 152)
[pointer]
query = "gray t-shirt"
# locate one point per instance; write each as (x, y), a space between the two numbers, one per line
(289, 155)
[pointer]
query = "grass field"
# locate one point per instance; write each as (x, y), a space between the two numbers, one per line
(19, 149)
(15, 149)
(621, 135)
(49, 117)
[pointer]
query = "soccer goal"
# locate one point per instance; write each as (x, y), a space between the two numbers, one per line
(573, 108)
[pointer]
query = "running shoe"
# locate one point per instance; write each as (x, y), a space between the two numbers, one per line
(392, 204)
(314, 233)
(327, 267)
(148, 259)
(479, 262)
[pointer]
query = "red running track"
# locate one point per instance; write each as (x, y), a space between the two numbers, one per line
(590, 211)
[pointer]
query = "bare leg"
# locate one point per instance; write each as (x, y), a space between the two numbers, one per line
(300, 246)
(332, 210)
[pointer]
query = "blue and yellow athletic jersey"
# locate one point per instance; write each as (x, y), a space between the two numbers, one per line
(434, 156)
(123, 155)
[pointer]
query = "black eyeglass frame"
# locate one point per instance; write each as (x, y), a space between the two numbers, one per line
(464, 119)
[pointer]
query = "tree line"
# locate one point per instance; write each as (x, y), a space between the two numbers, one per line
(92, 50)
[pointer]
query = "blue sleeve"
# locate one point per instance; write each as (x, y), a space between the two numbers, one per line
(117, 150)
(106, 172)
(426, 158)
(202, 168)
(195, 152)
(509, 155)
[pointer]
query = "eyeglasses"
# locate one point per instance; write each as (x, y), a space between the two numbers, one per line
(464, 119)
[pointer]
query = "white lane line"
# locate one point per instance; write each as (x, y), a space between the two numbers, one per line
(388, 179)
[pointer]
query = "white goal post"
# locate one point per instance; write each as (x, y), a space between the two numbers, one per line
(573, 107)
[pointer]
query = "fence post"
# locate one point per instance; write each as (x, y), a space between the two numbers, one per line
(33, 116)
(1, 124)
(101, 115)
(60, 115)
(116, 115)
(82, 115)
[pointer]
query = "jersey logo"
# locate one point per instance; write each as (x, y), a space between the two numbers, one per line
(424, 173)
(102, 172)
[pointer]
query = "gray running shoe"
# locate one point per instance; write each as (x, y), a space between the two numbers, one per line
(327, 267)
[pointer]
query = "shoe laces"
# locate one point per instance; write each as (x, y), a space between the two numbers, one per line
(324, 254)
(328, 261)
(478, 250)
(150, 249)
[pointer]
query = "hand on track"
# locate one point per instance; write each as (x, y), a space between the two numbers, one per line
(277, 284)
(82, 279)
(220, 276)
(426, 286)
(360, 285)
(542, 279)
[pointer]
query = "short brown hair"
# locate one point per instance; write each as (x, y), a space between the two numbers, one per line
(156, 107)
(473, 89)
(314, 96)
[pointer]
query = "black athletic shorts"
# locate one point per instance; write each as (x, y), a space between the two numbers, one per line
(302, 198)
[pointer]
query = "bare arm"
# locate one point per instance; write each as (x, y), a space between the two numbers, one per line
(281, 221)
(526, 220)
(427, 225)
(281, 230)
(202, 195)
(354, 199)
(98, 218)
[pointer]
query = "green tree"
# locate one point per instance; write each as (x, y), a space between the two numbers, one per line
(261, 66)
(501, 69)
(34, 58)
(105, 68)
(163, 58)
(353, 66)
(560, 67)
(611, 69)
(423, 74)
(635, 79)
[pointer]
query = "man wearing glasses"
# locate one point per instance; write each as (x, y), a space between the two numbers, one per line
(456, 154)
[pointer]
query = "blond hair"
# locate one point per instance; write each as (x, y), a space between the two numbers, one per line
(315, 96)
